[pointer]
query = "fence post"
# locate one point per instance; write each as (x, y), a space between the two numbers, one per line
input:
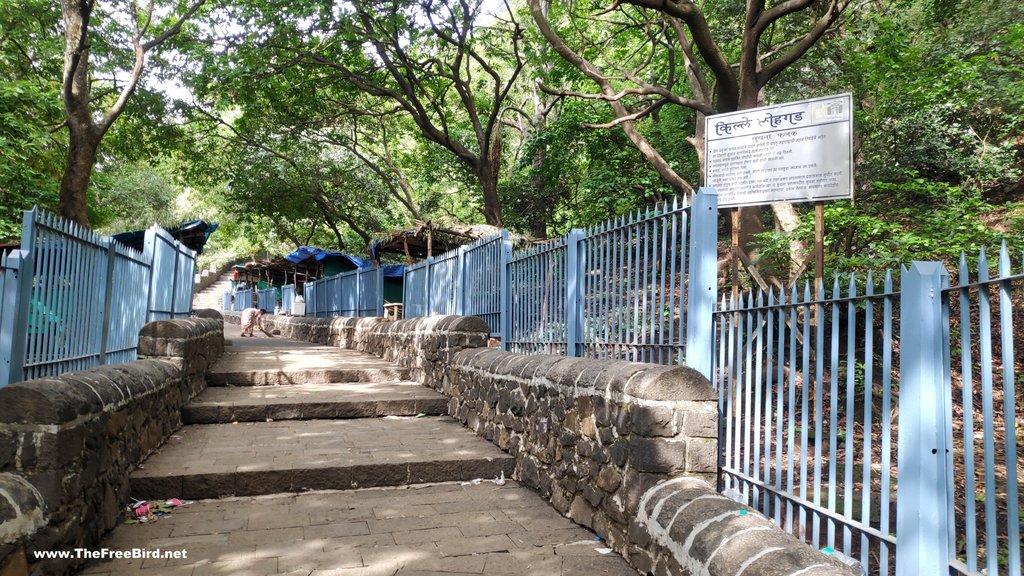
(174, 282)
(460, 283)
(13, 331)
(108, 287)
(703, 281)
(573, 291)
(505, 309)
(922, 518)
(429, 286)
(380, 291)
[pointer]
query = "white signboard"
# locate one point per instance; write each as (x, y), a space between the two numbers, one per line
(797, 152)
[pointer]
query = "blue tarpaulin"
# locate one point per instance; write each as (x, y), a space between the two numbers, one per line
(314, 254)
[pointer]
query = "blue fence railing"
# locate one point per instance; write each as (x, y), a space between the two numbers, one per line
(73, 300)
(614, 291)
(266, 299)
(465, 281)
(810, 387)
(352, 294)
(243, 299)
(287, 299)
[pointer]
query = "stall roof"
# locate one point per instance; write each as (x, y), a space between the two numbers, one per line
(193, 234)
(282, 270)
(429, 238)
(306, 253)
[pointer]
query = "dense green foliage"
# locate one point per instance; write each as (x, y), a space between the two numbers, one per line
(297, 128)
(940, 133)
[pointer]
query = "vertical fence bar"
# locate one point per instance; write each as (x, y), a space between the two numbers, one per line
(429, 287)
(886, 440)
(703, 284)
(505, 268)
(1009, 415)
(922, 524)
(108, 293)
(574, 293)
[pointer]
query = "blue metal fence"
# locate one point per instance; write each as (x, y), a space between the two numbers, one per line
(287, 299)
(243, 299)
(173, 274)
(266, 299)
(983, 519)
(537, 298)
(809, 390)
(466, 281)
(74, 300)
(614, 291)
(352, 294)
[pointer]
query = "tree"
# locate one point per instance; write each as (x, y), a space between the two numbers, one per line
(643, 55)
(85, 128)
(30, 114)
(434, 61)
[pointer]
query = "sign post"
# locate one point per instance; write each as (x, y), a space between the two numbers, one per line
(795, 152)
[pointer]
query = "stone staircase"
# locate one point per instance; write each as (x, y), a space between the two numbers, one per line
(213, 295)
(307, 460)
(278, 419)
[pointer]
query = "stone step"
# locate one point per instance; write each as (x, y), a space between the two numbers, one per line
(254, 365)
(248, 459)
(313, 401)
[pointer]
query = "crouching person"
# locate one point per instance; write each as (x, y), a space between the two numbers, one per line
(252, 318)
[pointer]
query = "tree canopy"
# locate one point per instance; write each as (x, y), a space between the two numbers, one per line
(304, 122)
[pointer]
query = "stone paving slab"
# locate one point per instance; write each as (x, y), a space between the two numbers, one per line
(309, 401)
(214, 460)
(442, 529)
(289, 366)
(265, 361)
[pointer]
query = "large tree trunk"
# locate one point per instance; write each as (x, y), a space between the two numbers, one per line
(82, 150)
(488, 176)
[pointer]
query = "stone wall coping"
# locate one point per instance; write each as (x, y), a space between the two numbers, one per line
(707, 533)
(68, 443)
(22, 510)
(470, 324)
(179, 328)
(616, 378)
(207, 313)
(65, 399)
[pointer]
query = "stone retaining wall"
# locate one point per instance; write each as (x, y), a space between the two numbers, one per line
(68, 444)
(627, 450)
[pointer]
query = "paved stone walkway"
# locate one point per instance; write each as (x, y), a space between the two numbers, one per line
(306, 401)
(416, 530)
(267, 457)
(295, 495)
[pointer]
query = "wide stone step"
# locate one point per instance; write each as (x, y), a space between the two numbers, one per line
(247, 459)
(313, 401)
(303, 364)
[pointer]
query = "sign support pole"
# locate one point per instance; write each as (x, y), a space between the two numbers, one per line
(734, 258)
(819, 252)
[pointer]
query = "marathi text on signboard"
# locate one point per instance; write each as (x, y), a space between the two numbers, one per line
(797, 152)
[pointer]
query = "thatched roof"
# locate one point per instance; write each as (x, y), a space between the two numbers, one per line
(424, 239)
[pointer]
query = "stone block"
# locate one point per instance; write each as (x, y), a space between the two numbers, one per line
(701, 455)
(581, 512)
(657, 455)
(609, 479)
(700, 423)
(653, 421)
(13, 563)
